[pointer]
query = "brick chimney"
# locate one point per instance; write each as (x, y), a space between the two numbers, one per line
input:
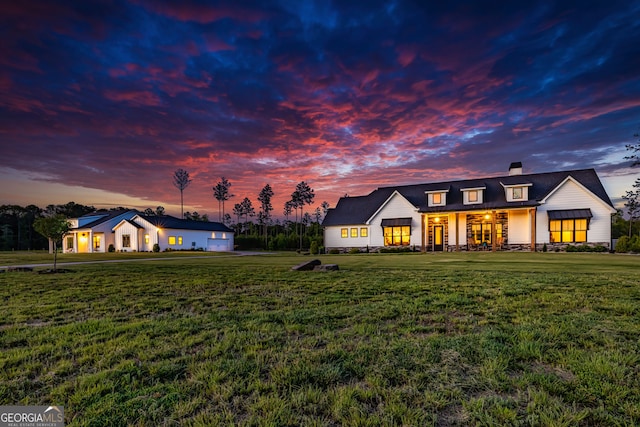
(515, 168)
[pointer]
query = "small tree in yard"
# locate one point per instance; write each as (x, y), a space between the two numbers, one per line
(53, 228)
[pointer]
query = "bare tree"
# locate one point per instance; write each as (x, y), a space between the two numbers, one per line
(248, 211)
(305, 196)
(221, 194)
(288, 208)
(265, 208)
(181, 181)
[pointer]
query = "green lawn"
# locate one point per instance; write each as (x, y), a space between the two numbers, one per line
(478, 339)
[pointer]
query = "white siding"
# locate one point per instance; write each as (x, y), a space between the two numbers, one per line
(333, 237)
(124, 229)
(571, 195)
(396, 207)
(461, 231)
(519, 224)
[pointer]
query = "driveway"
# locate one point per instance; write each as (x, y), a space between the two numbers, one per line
(65, 264)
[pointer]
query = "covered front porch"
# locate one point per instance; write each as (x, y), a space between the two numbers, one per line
(83, 241)
(479, 230)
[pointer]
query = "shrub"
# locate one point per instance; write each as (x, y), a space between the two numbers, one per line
(544, 248)
(334, 251)
(634, 244)
(586, 248)
(395, 250)
(111, 248)
(623, 244)
(354, 251)
(156, 247)
(313, 249)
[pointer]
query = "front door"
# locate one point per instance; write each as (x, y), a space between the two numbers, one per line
(438, 238)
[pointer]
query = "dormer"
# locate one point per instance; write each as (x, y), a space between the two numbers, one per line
(436, 197)
(516, 192)
(473, 195)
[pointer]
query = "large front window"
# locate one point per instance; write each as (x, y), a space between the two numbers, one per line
(481, 233)
(397, 236)
(568, 230)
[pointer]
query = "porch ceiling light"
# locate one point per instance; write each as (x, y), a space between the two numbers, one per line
(437, 219)
(487, 216)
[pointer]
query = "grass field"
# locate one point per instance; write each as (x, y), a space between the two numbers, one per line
(478, 339)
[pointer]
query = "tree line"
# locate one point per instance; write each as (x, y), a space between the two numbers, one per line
(250, 234)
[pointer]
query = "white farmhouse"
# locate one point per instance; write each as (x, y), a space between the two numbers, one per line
(129, 230)
(515, 211)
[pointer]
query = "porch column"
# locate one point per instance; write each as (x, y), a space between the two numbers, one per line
(457, 232)
(533, 229)
(494, 234)
(91, 241)
(423, 228)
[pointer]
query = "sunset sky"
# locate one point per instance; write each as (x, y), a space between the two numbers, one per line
(101, 101)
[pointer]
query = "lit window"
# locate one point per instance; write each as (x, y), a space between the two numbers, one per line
(364, 232)
(172, 240)
(344, 233)
(397, 236)
(473, 196)
(70, 242)
(180, 240)
(481, 232)
(146, 239)
(126, 241)
(354, 232)
(517, 193)
(96, 242)
(568, 230)
(437, 198)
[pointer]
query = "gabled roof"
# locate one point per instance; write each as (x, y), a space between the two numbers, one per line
(357, 210)
(104, 217)
(170, 222)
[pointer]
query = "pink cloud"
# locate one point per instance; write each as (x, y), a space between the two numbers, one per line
(136, 97)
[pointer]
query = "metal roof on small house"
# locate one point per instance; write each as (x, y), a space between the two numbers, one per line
(170, 222)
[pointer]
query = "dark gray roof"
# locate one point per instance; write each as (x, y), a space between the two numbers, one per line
(167, 221)
(128, 221)
(570, 214)
(106, 216)
(357, 210)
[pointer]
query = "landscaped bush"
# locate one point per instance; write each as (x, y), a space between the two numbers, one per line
(334, 251)
(111, 248)
(313, 249)
(354, 251)
(586, 248)
(400, 249)
(156, 247)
